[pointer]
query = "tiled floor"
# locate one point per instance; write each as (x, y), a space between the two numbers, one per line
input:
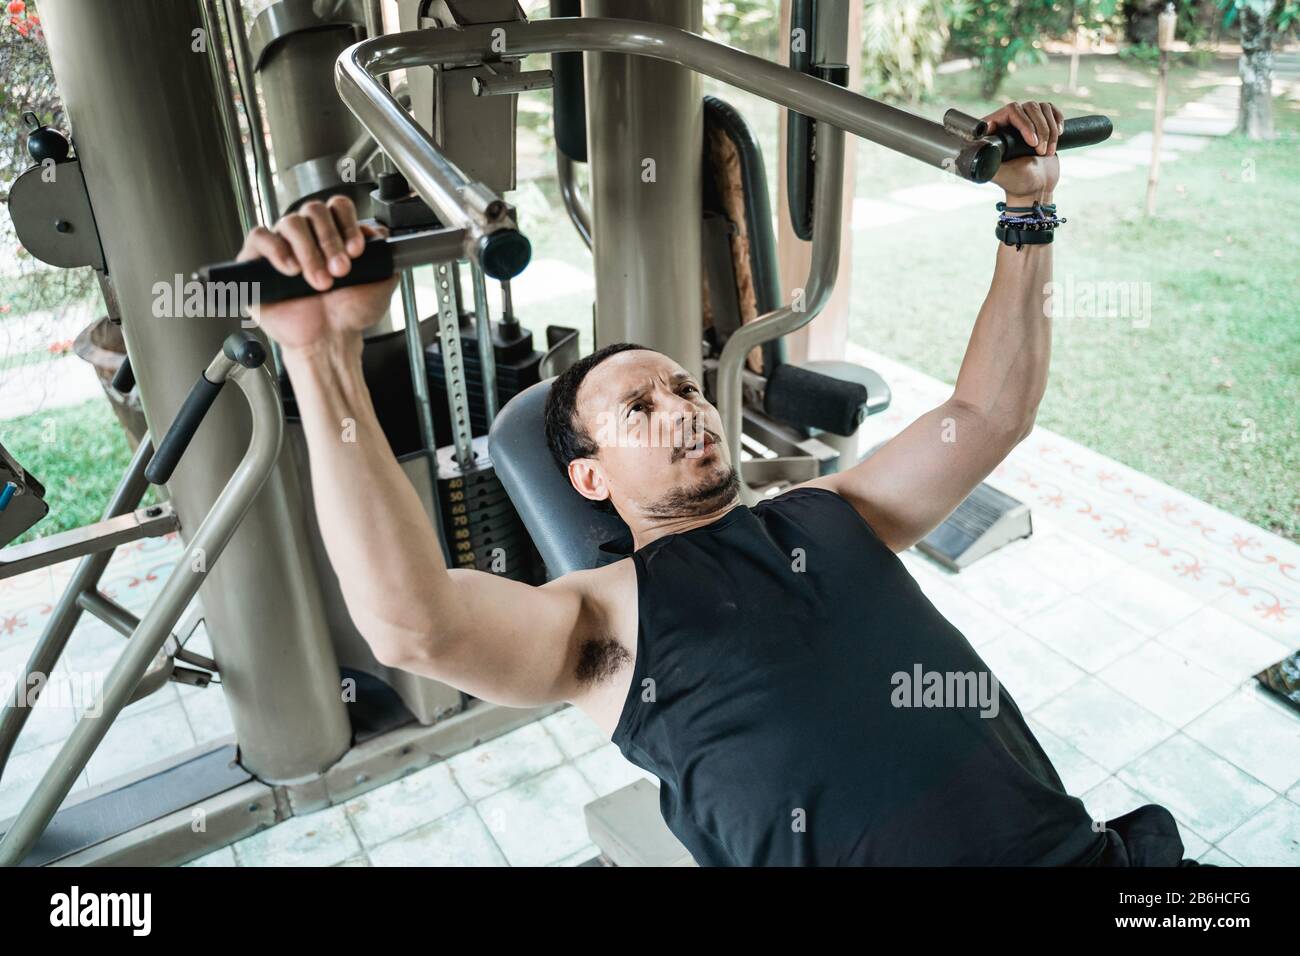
(1127, 629)
(514, 801)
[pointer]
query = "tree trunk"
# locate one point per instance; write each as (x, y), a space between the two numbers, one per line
(1256, 68)
(1140, 19)
(990, 81)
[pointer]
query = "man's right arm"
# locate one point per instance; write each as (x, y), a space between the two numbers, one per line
(498, 639)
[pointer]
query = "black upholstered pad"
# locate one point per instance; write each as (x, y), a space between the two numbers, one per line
(566, 527)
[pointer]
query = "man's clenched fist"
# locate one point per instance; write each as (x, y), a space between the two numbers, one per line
(319, 242)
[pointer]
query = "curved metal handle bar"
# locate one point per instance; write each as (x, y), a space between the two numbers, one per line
(822, 272)
(574, 204)
(155, 627)
(460, 202)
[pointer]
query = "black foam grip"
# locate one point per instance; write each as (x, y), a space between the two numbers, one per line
(178, 437)
(569, 95)
(808, 399)
(1080, 131)
(124, 377)
(269, 285)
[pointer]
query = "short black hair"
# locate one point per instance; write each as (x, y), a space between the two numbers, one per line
(567, 438)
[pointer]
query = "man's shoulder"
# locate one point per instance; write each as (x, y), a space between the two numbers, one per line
(828, 489)
(821, 487)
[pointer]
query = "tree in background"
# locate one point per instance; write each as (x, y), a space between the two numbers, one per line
(1197, 20)
(1140, 20)
(1089, 19)
(903, 42)
(1002, 33)
(748, 25)
(1261, 21)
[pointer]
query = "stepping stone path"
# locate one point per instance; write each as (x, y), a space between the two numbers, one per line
(1211, 115)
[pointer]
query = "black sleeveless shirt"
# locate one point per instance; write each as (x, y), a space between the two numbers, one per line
(777, 694)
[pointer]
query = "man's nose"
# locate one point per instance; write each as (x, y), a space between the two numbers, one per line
(681, 413)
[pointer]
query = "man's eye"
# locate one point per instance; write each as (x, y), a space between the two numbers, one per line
(636, 407)
(689, 388)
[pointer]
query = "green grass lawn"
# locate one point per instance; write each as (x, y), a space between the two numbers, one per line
(1206, 397)
(78, 453)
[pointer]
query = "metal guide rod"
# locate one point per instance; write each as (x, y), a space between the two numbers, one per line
(374, 16)
(507, 303)
(456, 288)
(486, 354)
(238, 31)
(423, 400)
(415, 349)
(229, 118)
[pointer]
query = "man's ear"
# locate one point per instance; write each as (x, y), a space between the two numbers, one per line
(587, 477)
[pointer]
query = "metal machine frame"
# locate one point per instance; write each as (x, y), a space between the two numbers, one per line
(123, 683)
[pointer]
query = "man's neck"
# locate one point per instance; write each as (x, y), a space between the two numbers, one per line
(647, 528)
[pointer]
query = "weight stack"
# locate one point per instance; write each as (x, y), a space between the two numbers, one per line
(517, 367)
(482, 528)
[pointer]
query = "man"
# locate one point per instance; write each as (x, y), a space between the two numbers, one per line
(776, 667)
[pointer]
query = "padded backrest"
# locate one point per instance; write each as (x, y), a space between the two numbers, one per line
(733, 160)
(566, 527)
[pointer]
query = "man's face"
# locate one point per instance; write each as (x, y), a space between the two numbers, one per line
(661, 448)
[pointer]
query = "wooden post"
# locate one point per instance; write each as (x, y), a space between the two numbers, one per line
(1165, 39)
(1073, 85)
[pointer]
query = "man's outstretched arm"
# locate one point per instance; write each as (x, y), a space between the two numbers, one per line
(498, 639)
(918, 478)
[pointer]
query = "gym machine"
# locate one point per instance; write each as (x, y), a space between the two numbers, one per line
(144, 203)
(146, 662)
(431, 153)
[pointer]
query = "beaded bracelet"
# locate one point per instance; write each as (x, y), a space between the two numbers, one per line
(1033, 228)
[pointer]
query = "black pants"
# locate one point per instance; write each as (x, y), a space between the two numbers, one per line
(1147, 836)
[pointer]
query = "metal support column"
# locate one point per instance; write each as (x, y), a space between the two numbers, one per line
(166, 206)
(645, 122)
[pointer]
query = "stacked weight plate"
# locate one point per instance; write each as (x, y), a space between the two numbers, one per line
(517, 365)
(482, 528)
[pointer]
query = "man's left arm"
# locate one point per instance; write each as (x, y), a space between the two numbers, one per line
(920, 476)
